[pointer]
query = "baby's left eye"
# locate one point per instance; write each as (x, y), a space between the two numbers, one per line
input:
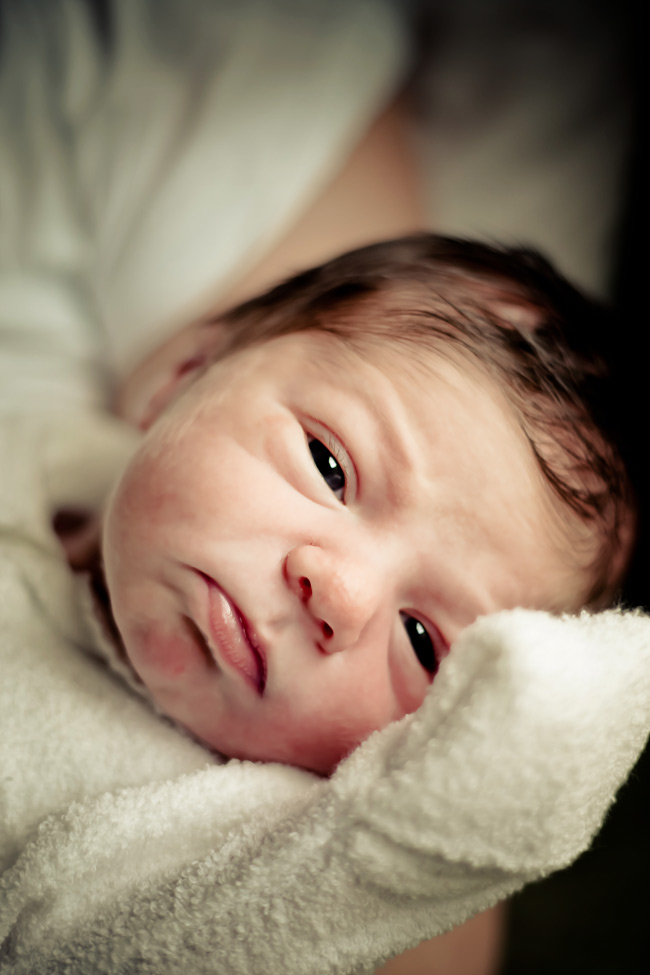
(421, 642)
(328, 467)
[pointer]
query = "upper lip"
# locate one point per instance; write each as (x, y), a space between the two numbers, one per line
(258, 651)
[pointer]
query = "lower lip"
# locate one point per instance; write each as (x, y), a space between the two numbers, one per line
(229, 639)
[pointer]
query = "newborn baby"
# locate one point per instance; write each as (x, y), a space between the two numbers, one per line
(339, 476)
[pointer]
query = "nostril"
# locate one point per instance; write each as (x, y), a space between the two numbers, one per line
(327, 630)
(305, 586)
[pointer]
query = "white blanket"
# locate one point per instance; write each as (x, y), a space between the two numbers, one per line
(125, 847)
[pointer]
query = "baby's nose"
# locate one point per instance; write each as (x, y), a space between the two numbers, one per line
(340, 594)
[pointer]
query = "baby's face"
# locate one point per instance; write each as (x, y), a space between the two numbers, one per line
(304, 533)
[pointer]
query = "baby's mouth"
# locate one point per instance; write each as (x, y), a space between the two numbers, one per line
(229, 636)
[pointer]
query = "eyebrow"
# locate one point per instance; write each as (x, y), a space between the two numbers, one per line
(397, 458)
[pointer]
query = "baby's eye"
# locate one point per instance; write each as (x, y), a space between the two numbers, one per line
(421, 642)
(328, 467)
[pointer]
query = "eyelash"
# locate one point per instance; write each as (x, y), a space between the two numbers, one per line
(331, 449)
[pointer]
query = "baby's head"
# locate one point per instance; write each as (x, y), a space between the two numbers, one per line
(385, 448)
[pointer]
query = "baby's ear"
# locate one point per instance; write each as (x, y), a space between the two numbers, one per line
(521, 316)
(168, 384)
(155, 382)
(504, 302)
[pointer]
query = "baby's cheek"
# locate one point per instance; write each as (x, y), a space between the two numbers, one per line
(320, 741)
(143, 504)
(163, 654)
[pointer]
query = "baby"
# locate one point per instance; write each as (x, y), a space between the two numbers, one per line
(340, 475)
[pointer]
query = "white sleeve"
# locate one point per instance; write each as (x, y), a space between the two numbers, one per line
(49, 336)
(144, 166)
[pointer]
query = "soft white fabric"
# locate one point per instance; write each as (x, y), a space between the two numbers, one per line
(127, 848)
(141, 176)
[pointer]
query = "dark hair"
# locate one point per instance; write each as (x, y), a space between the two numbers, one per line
(510, 312)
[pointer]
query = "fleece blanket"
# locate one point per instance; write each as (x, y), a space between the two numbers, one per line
(126, 847)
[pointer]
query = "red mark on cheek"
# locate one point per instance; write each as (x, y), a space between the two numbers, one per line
(166, 655)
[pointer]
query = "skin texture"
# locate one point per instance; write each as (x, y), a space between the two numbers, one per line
(444, 516)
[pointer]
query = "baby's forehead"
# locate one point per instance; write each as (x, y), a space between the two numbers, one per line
(424, 384)
(414, 360)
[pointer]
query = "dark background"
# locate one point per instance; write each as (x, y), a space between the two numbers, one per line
(594, 917)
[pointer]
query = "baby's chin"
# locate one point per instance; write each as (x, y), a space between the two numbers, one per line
(323, 766)
(314, 754)
(259, 741)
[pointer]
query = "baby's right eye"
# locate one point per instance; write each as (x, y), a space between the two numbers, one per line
(328, 466)
(421, 642)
